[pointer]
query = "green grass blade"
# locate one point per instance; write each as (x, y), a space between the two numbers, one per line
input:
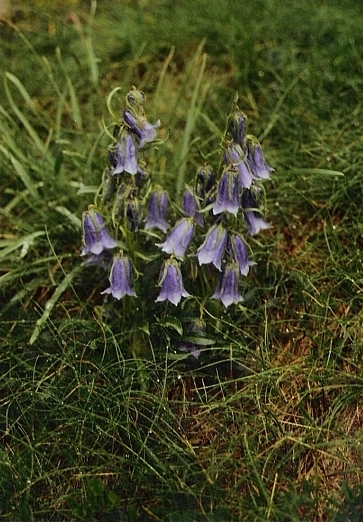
(72, 217)
(24, 243)
(194, 109)
(24, 120)
(76, 113)
(318, 172)
(28, 100)
(22, 173)
(50, 304)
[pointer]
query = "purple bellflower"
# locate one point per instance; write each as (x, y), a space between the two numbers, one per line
(171, 283)
(120, 278)
(257, 160)
(190, 205)
(238, 251)
(144, 130)
(179, 238)
(227, 290)
(253, 218)
(214, 246)
(235, 155)
(156, 211)
(228, 193)
(125, 155)
(96, 237)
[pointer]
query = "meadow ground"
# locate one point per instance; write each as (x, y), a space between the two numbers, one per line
(268, 423)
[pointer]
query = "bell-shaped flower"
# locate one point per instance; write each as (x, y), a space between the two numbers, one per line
(120, 278)
(190, 205)
(238, 252)
(252, 215)
(228, 192)
(234, 154)
(237, 126)
(214, 246)
(171, 283)
(178, 238)
(157, 208)
(96, 237)
(125, 157)
(228, 287)
(144, 130)
(257, 160)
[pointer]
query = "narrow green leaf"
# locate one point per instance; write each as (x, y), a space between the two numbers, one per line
(109, 102)
(72, 217)
(30, 129)
(49, 305)
(23, 92)
(194, 109)
(24, 243)
(172, 322)
(25, 178)
(93, 62)
(318, 172)
(76, 111)
(202, 341)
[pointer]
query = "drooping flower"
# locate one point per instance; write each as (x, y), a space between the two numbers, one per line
(96, 237)
(234, 154)
(156, 211)
(238, 252)
(120, 278)
(144, 130)
(179, 238)
(257, 160)
(227, 290)
(125, 155)
(228, 192)
(190, 205)
(237, 126)
(252, 215)
(255, 223)
(171, 283)
(213, 248)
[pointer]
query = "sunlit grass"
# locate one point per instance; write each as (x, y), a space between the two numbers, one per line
(267, 424)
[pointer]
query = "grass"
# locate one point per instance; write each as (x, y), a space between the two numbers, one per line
(268, 423)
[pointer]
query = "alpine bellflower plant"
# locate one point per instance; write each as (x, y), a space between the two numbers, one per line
(189, 253)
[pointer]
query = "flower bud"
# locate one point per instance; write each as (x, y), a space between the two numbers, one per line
(237, 127)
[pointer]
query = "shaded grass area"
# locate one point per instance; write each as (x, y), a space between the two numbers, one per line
(267, 424)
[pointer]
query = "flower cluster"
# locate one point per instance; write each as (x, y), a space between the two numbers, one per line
(208, 226)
